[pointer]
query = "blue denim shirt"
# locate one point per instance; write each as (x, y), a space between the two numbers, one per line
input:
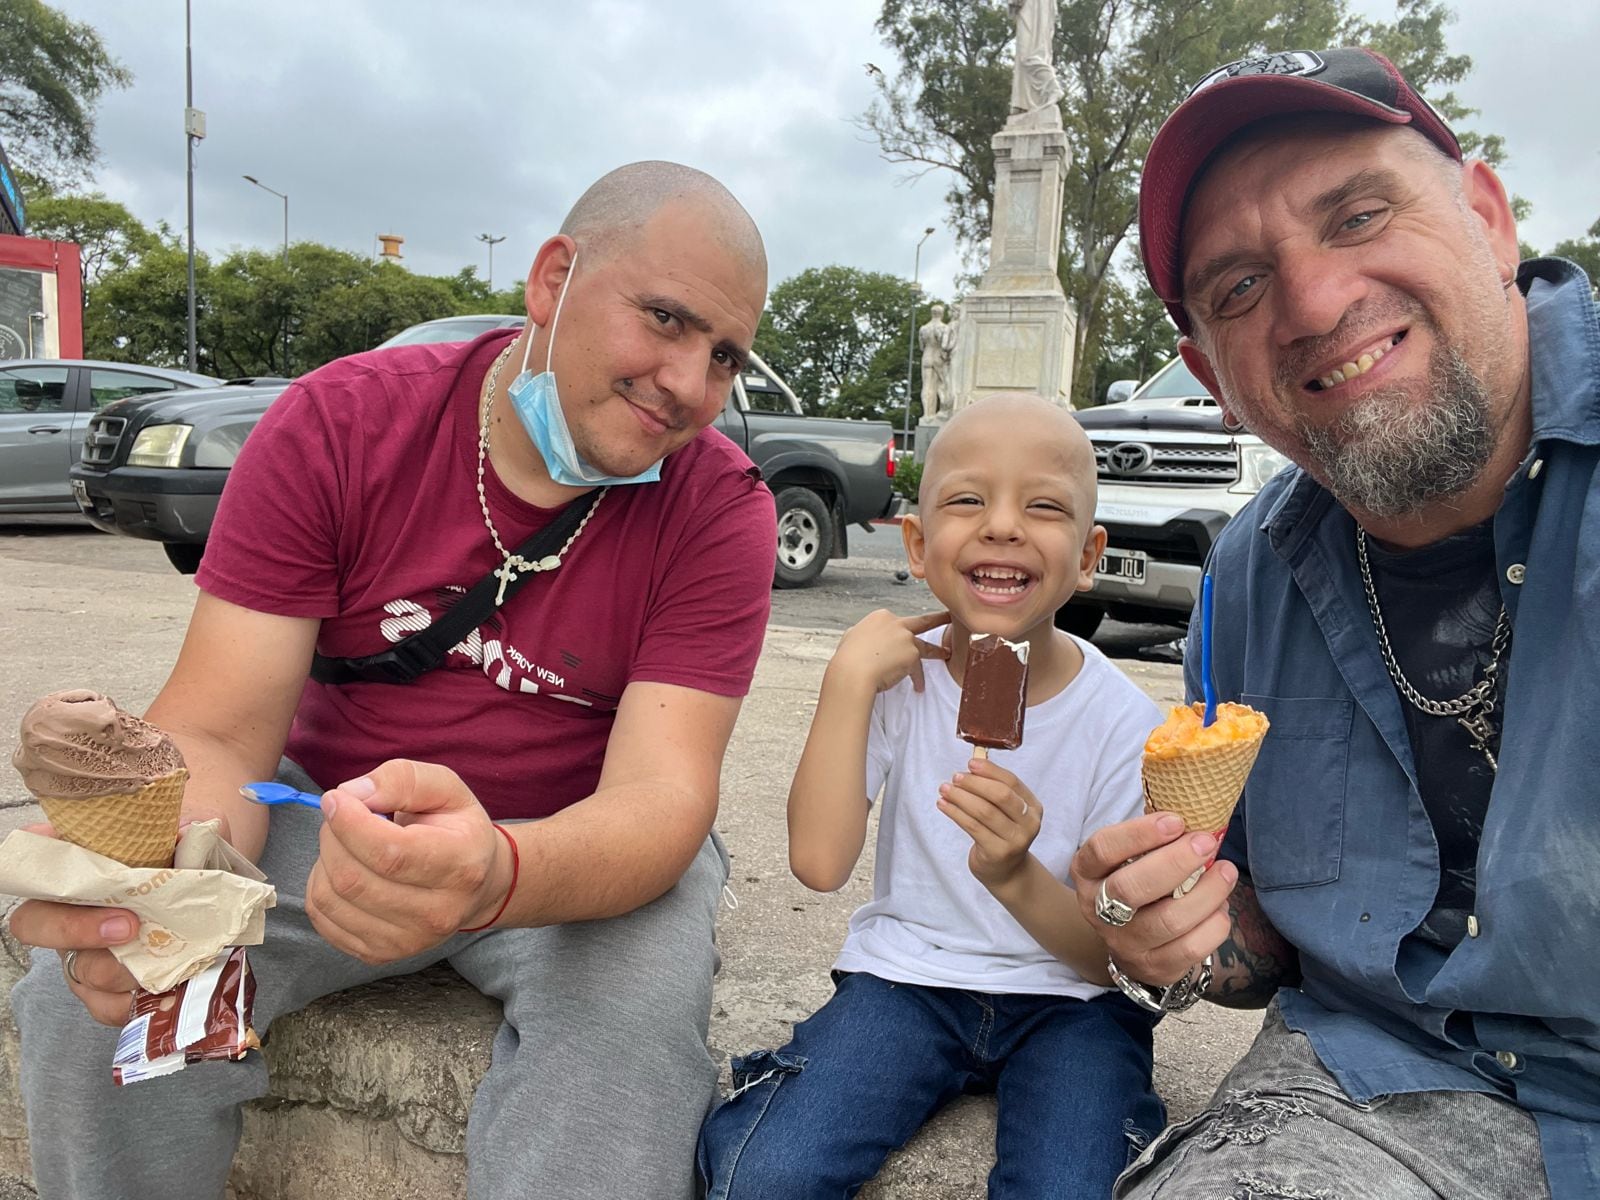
(1333, 832)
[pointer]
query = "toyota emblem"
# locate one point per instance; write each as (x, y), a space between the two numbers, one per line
(1129, 458)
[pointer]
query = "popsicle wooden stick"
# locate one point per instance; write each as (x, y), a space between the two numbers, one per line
(981, 752)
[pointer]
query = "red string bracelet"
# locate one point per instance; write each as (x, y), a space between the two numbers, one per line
(516, 870)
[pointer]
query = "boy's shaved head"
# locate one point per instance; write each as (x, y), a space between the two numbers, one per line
(1008, 415)
(1004, 531)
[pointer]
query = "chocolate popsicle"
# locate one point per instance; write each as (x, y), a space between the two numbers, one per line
(994, 694)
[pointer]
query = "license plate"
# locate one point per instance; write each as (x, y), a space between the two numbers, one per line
(80, 493)
(1124, 566)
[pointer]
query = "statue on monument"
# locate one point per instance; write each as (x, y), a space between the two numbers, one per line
(1034, 86)
(936, 340)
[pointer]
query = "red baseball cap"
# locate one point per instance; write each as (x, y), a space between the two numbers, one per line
(1344, 80)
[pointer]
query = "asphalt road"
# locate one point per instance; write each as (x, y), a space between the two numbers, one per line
(848, 589)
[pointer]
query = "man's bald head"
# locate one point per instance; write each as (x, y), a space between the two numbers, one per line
(621, 203)
(1010, 415)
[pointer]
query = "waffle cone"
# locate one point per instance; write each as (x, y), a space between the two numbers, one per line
(1202, 786)
(138, 829)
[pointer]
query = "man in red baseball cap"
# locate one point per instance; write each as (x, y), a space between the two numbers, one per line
(1408, 881)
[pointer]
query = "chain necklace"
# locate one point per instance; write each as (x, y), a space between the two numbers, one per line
(514, 564)
(1473, 707)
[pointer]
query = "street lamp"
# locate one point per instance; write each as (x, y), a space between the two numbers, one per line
(911, 342)
(492, 242)
(285, 199)
(194, 128)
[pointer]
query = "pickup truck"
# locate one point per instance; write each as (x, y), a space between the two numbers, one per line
(155, 468)
(1170, 477)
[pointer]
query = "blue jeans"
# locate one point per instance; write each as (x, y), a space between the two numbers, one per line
(815, 1120)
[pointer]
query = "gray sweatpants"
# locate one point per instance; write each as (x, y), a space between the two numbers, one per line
(599, 1080)
(1281, 1128)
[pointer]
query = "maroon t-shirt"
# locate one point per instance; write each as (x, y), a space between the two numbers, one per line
(355, 501)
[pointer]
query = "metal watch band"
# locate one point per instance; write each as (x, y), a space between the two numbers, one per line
(1175, 998)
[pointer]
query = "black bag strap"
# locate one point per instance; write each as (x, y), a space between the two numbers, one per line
(424, 650)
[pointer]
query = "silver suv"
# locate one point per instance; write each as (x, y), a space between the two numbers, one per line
(1170, 478)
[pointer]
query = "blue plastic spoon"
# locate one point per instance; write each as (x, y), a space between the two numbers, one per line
(1206, 681)
(279, 793)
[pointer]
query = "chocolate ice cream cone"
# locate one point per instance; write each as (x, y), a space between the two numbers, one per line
(139, 829)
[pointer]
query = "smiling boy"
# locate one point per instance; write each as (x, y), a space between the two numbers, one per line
(972, 969)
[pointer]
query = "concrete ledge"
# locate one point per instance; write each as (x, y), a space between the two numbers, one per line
(370, 1093)
(371, 1090)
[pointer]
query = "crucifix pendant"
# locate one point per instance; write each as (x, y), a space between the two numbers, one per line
(515, 565)
(1480, 731)
(506, 572)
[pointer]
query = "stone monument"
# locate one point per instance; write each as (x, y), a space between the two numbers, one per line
(935, 340)
(1035, 90)
(1016, 330)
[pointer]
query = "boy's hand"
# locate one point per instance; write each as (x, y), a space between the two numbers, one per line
(882, 649)
(999, 813)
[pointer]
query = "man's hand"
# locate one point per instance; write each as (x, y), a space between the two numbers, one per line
(881, 649)
(381, 890)
(998, 813)
(104, 984)
(1166, 937)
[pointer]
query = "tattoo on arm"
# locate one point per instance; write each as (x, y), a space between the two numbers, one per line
(1255, 960)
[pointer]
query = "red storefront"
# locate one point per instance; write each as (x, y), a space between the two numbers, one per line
(41, 299)
(41, 285)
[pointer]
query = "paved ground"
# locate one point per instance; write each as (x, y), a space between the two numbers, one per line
(83, 609)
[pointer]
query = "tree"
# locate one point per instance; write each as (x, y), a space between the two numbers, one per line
(838, 336)
(52, 73)
(333, 302)
(1585, 252)
(374, 302)
(473, 295)
(1124, 65)
(1139, 338)
(139, 314)
(109, 237)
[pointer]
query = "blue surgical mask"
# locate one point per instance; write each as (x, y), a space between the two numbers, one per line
(538, 407)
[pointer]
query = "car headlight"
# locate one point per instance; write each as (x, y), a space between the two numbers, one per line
(1257, 464)
(159, 446)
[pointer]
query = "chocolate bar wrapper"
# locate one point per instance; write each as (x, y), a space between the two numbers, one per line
(205, 1018)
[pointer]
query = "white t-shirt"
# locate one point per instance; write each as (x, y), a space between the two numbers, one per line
(930, 921)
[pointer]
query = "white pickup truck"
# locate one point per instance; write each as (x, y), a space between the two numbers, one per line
(1170, 478)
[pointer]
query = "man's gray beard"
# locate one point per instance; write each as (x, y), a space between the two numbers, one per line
(1391, 456)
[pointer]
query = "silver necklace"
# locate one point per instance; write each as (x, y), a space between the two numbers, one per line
(514, 564)
(1473, 707)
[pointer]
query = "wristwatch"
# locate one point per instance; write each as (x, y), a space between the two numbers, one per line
(1174, 998)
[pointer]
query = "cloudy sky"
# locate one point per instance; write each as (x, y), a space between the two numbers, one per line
(441, 121)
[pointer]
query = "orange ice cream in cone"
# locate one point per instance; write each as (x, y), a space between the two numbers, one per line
(1198, 771)
(106, 780)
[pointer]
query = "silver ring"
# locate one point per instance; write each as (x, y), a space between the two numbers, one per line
(1113, 912)
(1024, 808)
(69, 965)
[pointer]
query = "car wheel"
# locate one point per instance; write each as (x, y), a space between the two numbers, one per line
(184, 555)
(805, 537)
(1080, 619)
